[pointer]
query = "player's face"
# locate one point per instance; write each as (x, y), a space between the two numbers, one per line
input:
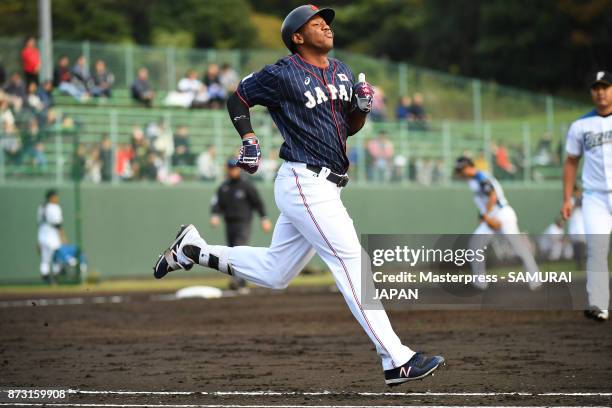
(602, 95)
(233, 172)
(467, 172)
(317, 34)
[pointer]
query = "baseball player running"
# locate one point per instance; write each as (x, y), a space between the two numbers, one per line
(316, 105)
(497, 217)
(591, 137)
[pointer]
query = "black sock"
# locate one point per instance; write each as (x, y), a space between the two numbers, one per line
(192, 252)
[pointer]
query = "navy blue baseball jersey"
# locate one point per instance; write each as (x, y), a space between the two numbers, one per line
(310, 106)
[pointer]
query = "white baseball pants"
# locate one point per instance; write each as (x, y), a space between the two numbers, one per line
(314, 220)
(509, 228)
(47, 249)
(597, 213)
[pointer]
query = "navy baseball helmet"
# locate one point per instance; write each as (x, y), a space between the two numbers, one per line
(298, 17)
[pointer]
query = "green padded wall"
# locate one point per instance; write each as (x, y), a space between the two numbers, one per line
(125, 227)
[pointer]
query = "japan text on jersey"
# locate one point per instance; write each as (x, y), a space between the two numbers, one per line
(309, 105)
(591, 136)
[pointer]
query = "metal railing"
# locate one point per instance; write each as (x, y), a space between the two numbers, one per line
(422, 155)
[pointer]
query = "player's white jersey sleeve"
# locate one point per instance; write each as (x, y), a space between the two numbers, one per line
(591, 137)
(573, 144)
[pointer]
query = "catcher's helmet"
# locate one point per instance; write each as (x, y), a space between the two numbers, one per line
(298, 17)
(463, 162)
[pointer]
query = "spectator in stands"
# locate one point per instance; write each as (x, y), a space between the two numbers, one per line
(30, 135)
(437, 171)
(9, 139)
(7, 119)
(81, 78)
(123, 159)
(269, 166)
(544, 154)
(61, 73)
(229, 78)
(106, 159)
(79, 166)
(502, 161)
(140, 146)
(93, 165)
(417, 116)
(30, 61)
(103, 80)
(354, 154)
(206, 164)
(62, 79)
(379, 107)
(401, 112)
(182, 148)
(192, 90)
(16, 91)
(216, 91)
(424, 171)
(39, 158)
(480, 161)
(142, 91)
(45, 93)
(151, 166)
(33, 101)
(164, 142)
(381, 151)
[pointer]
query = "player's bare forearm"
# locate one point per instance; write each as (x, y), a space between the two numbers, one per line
(492, 201)
(356, 120)
(570, 168)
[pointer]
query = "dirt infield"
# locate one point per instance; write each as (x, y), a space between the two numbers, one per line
(303, 345)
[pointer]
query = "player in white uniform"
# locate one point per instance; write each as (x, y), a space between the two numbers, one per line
(497, 217)
(50, 233)
(591, 137)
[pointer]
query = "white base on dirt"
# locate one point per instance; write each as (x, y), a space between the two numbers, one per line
(203, 292)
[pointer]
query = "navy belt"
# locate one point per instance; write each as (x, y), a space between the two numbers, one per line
(337, 179)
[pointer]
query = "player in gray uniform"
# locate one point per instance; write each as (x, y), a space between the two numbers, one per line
(497, 217)
(591, 137)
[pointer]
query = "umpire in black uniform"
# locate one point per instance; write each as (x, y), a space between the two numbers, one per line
(235, 200)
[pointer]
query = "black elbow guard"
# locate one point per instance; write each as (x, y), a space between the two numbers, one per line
(239, 114)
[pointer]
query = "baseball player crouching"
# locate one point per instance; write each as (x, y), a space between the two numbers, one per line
(316, 104)
(591, 137)
(497, 217)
